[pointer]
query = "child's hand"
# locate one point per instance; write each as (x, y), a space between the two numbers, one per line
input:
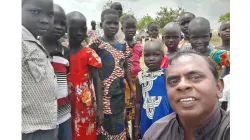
(99, 117)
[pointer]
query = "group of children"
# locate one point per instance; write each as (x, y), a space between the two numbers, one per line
(109, 72)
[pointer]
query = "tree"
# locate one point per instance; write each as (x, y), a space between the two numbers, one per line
(107, 4)
(144, 21)
(166, 15)
(224, 17)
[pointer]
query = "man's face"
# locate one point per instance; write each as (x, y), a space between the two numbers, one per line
(38, 16)
(192, 89)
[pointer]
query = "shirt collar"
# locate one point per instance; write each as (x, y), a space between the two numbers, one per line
(27, 36)
(207, 127)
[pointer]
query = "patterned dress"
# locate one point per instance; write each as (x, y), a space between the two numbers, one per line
(112, 77)
(81, 94)
(155, 103)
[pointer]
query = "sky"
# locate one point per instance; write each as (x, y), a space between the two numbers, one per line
(209, 9)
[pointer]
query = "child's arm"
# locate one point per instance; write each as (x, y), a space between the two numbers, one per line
(98, 94)
(138, 109)
(128, 78)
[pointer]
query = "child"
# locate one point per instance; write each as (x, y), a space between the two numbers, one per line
(60, 62)
(83, 64)
(93, 33)
(141, 38)
(200, 36)
(183, 22)
(153, 30)
(117, 6)
(129, 29)
(114, 55)
(171, 37)
(151, 96)
(39, 104)
(225, 36)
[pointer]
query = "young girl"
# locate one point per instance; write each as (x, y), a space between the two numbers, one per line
(151, 96)
(114, 55)
(83, 63)
(129, 29)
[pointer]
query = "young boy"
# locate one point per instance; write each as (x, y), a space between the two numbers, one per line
(225, 36)
(39, 104)
(117, 6)
(183, 22)
(171, 37)
(200, 36)
(129, 29)
(60, 62)
(153, 30)
(114, 55)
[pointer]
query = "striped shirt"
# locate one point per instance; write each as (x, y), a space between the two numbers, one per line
(39, 105)
(60, 63)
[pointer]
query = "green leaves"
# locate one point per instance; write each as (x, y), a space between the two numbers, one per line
(225, 17)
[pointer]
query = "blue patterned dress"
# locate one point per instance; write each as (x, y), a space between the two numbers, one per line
(112, 80)
(155, 103)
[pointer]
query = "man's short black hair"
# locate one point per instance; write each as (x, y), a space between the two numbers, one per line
(108, 11)
(191, 52)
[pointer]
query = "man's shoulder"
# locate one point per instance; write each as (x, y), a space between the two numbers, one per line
(165, 120)
(160, 128)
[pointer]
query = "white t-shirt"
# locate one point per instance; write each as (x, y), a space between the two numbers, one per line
(226, 91)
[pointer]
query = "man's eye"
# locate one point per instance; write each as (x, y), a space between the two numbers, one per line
(172, 81)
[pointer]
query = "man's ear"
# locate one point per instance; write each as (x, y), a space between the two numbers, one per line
(220, 87)
(122, 29)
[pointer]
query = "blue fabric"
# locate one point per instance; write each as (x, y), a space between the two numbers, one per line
(162, 110)
(64, 132)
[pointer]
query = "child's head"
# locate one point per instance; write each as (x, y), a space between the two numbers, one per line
(93, 24)
(153, 29)
(117, 6)
(153, 54)
(129, 26)
(184, 21)
(171, 36)
(58, 29)
(110, 22)
(37, 16)
(199, 34)
(77, 27)
(225, 31)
